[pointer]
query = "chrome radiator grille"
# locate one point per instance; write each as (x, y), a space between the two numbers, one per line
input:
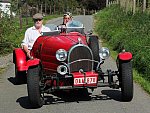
(80, 57)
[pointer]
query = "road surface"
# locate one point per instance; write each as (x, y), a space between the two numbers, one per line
(14, 98)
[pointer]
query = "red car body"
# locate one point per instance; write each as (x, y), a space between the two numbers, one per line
(80, 69)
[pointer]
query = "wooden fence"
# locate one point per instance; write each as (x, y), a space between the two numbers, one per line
(132, 5)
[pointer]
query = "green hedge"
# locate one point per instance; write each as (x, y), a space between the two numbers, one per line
(9, 34)
(125, 30)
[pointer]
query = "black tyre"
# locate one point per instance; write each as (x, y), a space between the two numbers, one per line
(20, 76)
(94, 45)
(34, 93)
(126, 80)
(83, 94)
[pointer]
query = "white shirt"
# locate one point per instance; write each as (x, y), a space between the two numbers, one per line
(31, 35)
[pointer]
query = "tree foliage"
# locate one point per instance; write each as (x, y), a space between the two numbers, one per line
(58, 6)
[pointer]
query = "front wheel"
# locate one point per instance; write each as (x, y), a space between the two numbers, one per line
(126, 80)
(34, 93)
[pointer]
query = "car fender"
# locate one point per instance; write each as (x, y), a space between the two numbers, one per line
(33, 62)
(125, 56)
(29, 63)
(19, 59)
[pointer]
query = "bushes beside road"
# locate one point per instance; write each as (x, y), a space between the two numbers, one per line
(125, 30)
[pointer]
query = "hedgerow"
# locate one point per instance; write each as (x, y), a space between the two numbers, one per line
(125, 30)
(11, 34)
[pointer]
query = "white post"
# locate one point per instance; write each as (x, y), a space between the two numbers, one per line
(83, 11)
(144, 5)
(107, 3)
(134, 6)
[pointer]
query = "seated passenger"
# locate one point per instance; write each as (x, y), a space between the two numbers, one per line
(66, 18)
(33, 33)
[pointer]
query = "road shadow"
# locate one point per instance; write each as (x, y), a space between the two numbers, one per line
(14, 81)
(60, 97)
(24, 102)
(72, 95)
(113, 94)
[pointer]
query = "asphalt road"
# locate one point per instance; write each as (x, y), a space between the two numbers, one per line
(13, 98)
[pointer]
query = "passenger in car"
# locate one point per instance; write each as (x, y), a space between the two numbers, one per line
(33, 33)
(67, 17)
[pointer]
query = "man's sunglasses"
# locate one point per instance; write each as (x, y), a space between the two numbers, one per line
(37, 20)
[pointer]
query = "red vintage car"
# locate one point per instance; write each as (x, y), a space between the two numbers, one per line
(67, 59)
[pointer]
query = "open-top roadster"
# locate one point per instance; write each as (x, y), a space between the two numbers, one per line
(68, 58)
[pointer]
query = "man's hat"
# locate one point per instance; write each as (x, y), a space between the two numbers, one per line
(38, 16)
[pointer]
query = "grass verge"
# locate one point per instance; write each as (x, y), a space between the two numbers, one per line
(2, 70)
(136, 75)
(140, 80)
(123, 30)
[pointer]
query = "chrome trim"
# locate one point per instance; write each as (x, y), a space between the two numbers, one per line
(79, 40)
(79, 45)
(62, 72)
(82, 60)
(57, 55)
(102, 51)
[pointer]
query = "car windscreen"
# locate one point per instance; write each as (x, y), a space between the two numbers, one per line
(74, 26)
(74, 23)
(53, 28)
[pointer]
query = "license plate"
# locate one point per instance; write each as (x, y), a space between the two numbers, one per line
(87, 80)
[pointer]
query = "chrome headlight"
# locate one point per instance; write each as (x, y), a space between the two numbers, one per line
(104, 53)
(62, 69)
(61, 55)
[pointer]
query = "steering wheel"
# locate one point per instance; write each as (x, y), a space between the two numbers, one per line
(62, 28)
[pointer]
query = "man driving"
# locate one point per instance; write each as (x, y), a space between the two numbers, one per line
(33, 33)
